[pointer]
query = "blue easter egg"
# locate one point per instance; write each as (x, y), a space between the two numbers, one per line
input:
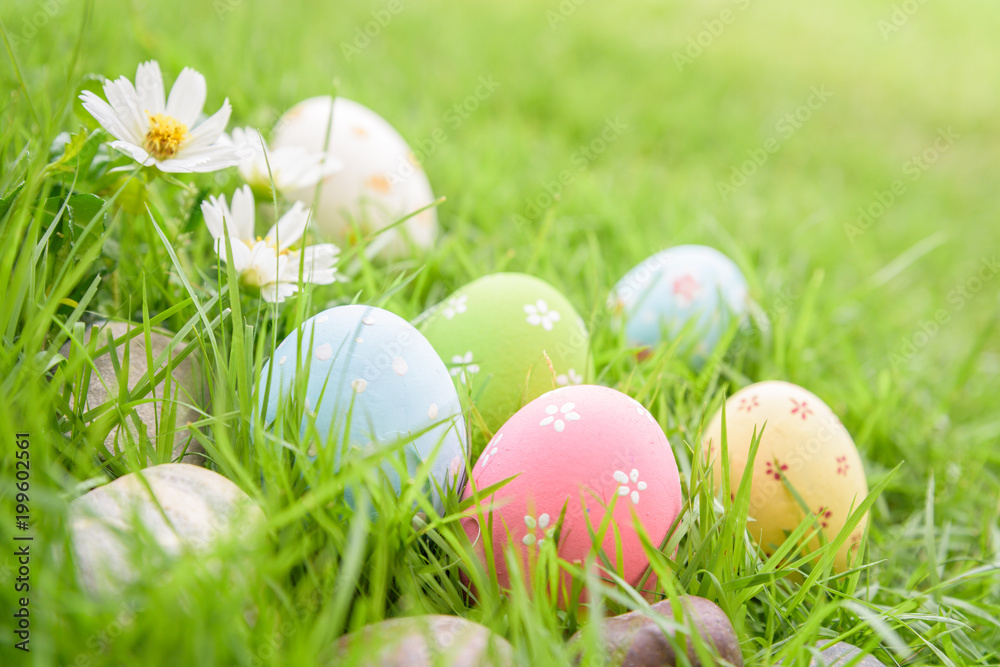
(688, 290)
(374, 368)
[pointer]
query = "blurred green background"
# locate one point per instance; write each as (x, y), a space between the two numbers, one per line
(844, 154)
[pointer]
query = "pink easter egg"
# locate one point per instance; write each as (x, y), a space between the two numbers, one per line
(591, 449)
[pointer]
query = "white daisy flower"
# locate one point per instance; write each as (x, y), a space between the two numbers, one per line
(268, 263)
(292, 167)
(162, 133)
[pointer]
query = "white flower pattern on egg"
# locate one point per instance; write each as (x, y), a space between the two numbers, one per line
(625, 485)
(463, 367)
(539, 313)
(492, 449)
(456, 305)
(568, 378)
(558, 416)
(542, 523)
(399, 366)
(640, 409)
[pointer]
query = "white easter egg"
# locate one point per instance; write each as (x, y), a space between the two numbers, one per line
(381, 180)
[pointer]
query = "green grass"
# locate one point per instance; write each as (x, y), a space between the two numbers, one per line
(848, 312)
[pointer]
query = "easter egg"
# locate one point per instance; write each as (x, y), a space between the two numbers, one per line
(689, 291)
(500, 333)
(374, 368)
(590, 450)
(803, 443)
(381, 180)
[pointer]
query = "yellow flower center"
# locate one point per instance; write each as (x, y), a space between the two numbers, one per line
(165, 136)
(271, 243)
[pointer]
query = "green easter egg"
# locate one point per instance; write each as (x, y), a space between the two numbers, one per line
(498, 336)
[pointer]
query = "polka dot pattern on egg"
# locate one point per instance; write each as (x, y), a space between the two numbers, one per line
(393, 385)
(379, 183)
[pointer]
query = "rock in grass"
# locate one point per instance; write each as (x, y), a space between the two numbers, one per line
(842, 654)
(423, 641)
(634, 639)
(193, 509)
(186, 388)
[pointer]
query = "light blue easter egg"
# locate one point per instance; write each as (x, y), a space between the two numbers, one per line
(374, 368)
(691, 290)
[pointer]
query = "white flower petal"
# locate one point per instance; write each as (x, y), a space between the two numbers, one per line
(106, 116)
(149, 87)
(543, 520)
(290, 227)
(208, 158)
(243, 214)
(546, 421)
(270, 293)
(622, 490)
(125, 103)
(634, 475)
(635, 497)
(191, 165)
(265, 262)
(133, 151)
(209, 132)
(529, 521)
(620, 477)
(215, 211)
(240, 259)
(187, 97)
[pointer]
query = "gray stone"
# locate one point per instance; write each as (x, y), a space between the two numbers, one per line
(194, 508)
(840, 655)
(635, 640)
(186, 388)
(424, 641)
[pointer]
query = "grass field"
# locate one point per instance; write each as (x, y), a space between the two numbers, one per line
(843, 154)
